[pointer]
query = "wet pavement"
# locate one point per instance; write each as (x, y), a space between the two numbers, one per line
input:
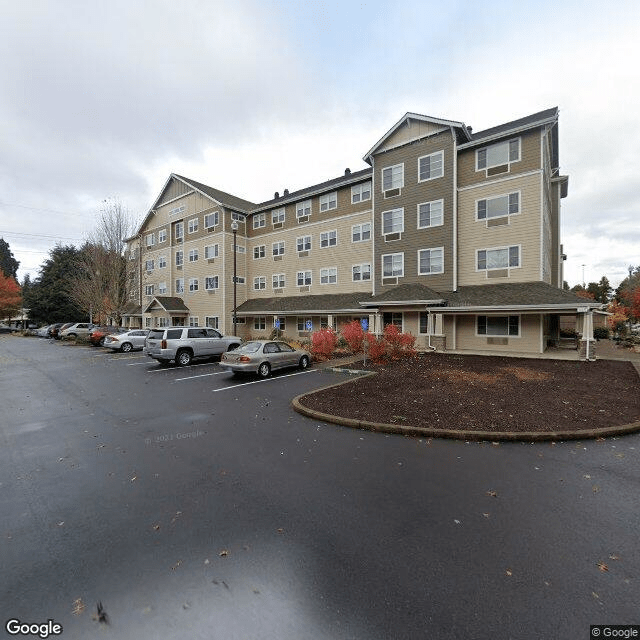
(191, 504)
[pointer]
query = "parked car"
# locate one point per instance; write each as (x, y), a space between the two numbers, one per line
(75, 330)
(57, 330)
(128, 341)
(98, 334)
(43, 332)
(183, 344)
(263, 357)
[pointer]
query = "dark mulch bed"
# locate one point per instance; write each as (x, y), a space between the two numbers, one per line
(488, 393)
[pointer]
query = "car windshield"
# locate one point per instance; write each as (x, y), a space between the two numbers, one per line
(249, 347)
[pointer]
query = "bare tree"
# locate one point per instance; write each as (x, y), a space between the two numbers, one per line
(101, 285)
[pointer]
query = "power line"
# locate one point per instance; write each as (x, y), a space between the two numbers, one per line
(38, 235)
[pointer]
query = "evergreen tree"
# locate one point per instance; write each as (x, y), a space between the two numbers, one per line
(8, 264)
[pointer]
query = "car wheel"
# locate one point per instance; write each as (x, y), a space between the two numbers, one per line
(184, 358)
(126, 347)
(304, 362)
(264, 370)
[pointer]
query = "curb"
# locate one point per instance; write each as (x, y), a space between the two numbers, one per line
(455, 434)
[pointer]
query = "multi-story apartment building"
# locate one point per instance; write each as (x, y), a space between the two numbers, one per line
(452, 235)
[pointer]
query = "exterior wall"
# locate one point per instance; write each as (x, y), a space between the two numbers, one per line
(412, 194)
(530, 160)
(410, 131)
(523, 229)
(528, 342)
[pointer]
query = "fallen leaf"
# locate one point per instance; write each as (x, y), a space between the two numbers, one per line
(613, 557)
(224, 553)
(595, 595)
(280, 530)
(602, 566)
(486, 515)
(206, 561)
(595, 489)
(134, 478)
(493, 494)
(508, 572)
(457, 521)
(176, 565)
(156, 527)
(78, 607)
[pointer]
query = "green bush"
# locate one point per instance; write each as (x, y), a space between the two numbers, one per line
(601, 333)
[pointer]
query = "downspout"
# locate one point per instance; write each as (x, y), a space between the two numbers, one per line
(429, 345)
(455, 213)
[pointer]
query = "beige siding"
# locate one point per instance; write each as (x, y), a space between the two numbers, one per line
(528, 342)
(530, 160)
(414, 130)
(523, 230)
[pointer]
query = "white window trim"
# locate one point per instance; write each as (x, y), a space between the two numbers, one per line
(431, 273)
(430, 155)
(495, 197)
(354, 226)
(280, 244)
(429, 202)
(488, 146)
(259, 220)
(303, 242)
(211, 326)
(329, 199)
(216, 218)
(193, 222)
(281, 278)
(162, 235)
(304, 272)
(194, 282)
(260, 246)
(280, 214)
(329, 245)
(259, 280)
(391, 167)
(386, 255)
(207, 288)
(386, 233)
(361, 265)
(260, 323)
(507, 247)
(162, 288)
(194, 255)
(357, 189)
(216, 251)
(498, 315)
(328, 269)
(300, 206)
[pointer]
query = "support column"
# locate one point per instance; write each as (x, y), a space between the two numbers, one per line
(587, 346)
(438, 339)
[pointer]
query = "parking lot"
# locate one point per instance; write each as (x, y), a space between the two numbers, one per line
(194, 504)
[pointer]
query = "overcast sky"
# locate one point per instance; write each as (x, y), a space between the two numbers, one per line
(106, 99)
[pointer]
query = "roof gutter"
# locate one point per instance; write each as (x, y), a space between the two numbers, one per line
(532, 308)
(508, 132)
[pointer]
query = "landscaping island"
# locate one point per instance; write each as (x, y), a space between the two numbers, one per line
(484, 397)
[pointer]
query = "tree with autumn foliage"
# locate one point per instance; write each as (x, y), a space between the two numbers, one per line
(628, 293)
(619, 316)
(10, 296)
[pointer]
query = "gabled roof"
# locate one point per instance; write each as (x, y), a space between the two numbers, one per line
(225, 199)
(540, 118)
(132, 309)
(169, 304)
(414, 116)
(347, 178)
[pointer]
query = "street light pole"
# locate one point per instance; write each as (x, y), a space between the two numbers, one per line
(234, 228)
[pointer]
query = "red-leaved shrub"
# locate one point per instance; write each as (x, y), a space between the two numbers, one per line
(323, 343)
(354, 335)
(399, 344)
(376, 348)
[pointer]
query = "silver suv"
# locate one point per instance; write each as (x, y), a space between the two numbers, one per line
(183, 344)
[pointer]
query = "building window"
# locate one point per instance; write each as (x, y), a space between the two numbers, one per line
(148, 290)
(148, 265)
(176, 210)
(259, 221)
(180, 285)
(304, 278)
(179, 258)
(393, 265)
(193, 255)
(361, 232)
(259, 283)
(430, 214)
(361, 192)
(239, 248)
(394, 318)
(495, 155)
(277, 248)
(162, 288)
(498, 325)
(211, 251)
(393, 221)
(211, 322)
(260, 323)
(328, 201)
(239, 280)
(193, 225)
(278, 281)
(162, 262)
(430, 261)
(303, 243)
(193, 284)
(329, 239)
(361, 272)
(162, 235)
(238, 217)
(393, 177)
(179, 230)
(211, 220)
(498, 207)
(147, 323)
(303, 209)
(281, 322)
(259, 252)
(150, 239)
(329, 275)
(277, 216)
(500, 258)
(211, 283)
(431, 166)
(302, 324)
(163, 322)
(193, 321)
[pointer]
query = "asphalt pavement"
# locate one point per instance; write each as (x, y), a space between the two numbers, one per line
(191, 504)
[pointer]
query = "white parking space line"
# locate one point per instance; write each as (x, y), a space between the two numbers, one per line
(137, 364)
(244, 384)
(203, 364)
(202, 375)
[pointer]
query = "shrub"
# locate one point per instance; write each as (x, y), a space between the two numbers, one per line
(276, 334)
(400, 344)
(323, 343)
(353, 335)
(376, 348)
(601, 333)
